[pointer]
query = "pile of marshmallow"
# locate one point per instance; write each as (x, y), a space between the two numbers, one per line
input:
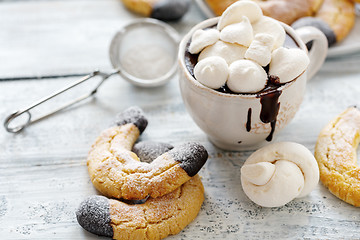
(243, 43)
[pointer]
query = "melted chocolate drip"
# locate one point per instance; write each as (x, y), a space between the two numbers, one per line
(270, 109)
(248, 122)
(272, 124)
(274, 79)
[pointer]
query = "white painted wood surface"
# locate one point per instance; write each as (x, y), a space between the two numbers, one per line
(43, 174)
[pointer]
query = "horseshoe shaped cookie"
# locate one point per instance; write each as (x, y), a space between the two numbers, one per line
(335, 152)
(155, 219)
(117, 172)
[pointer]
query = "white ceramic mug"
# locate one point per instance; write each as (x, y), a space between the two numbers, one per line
(238, 121)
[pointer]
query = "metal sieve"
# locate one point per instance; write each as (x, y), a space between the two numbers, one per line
(129, 55)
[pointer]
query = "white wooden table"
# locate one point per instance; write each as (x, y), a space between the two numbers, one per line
(43, 176)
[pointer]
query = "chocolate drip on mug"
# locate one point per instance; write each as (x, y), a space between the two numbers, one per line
(248, 122)
(270, 109)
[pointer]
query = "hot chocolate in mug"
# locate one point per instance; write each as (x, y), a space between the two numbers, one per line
(247, 121)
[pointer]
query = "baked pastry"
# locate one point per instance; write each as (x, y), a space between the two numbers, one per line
(335, 152)
(117, 172)
(340, 15)
(155, 219)
(160, 9)
(335, 19)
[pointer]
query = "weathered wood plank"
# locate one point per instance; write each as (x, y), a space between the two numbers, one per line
(43, 175)
(55, 38)
(63, 37)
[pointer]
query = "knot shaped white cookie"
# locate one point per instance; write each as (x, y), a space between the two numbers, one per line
(277, 173)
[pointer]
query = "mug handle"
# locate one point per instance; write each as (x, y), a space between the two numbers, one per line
(318, 51)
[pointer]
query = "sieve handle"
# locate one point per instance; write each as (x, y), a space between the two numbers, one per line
(26, 110)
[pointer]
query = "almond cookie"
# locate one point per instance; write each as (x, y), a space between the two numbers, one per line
(117, 172)
(335, 152)
(155, 219)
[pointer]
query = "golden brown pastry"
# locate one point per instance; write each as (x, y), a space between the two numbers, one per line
(155, 219)
(340, 15)
(117, 172)
(335, 152)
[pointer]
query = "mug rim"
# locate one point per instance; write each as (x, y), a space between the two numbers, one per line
(211, 21)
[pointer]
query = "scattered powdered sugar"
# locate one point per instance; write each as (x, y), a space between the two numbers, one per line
(3, 206)
(147, 61)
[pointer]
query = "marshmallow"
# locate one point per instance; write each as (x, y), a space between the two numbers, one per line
(203, 38)
(296, 174)
(287, 64)
(240, 33)
(260, 49)
(235, 12)
(271, 27)
(246, 76)
(212, 72)
(228, 51)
